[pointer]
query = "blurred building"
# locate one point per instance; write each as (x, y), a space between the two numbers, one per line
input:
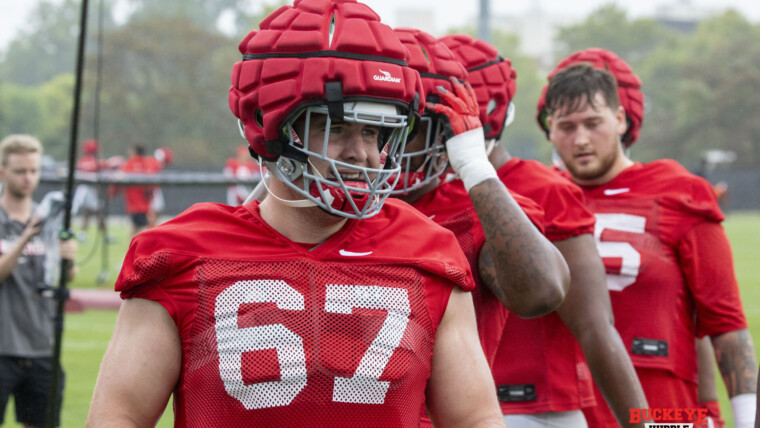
(682, 15)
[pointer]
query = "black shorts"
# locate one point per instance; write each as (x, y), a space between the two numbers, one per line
(139, 220)
(28, 380)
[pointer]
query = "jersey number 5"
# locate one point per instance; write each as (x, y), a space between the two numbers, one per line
(630, 258)
(232, 341)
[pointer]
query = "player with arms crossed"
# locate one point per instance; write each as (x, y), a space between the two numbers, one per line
(668, 260)
(323, 305)
(515, 267)
(540, 376)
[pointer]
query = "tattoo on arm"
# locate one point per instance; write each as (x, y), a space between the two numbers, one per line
(735, 356)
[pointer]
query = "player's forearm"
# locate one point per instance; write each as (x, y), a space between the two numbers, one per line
(9, 260)
(613, 373)
(735, 355)
(521, 266)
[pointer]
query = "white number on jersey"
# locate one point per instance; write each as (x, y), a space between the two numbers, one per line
(363, 387)
(631, 259)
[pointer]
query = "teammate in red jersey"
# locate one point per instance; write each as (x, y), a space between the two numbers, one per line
(321, 305)
(668, 261)
(86, 197)
(240, 167)
(508, 254)
(137, 197)
(540, 375)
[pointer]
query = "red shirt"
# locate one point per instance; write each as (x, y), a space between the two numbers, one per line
(669, 266)
(538, 359)
(276, 335)
(137, 198)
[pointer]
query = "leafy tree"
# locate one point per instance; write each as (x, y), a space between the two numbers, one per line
(609, 27)
(702, 93)
(165, 82)
(19, 109)
(47, 46)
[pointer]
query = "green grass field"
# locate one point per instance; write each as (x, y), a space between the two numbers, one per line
(87, 334)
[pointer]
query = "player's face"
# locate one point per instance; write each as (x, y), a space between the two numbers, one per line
(350, 142)
(417, 144)
(21, 174)
(588, 141)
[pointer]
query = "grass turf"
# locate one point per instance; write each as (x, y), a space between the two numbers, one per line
(86, 334)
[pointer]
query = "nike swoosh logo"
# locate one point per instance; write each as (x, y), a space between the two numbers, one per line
(353, 254)
(610, 192)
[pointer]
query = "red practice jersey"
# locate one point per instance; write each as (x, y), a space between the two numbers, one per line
(669, 271)
(449, 205)
(137, 198)
(275, 334)
(539, 366)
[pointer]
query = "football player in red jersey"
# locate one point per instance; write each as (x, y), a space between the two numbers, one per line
(541, 377)
(507, 253)
(668, 261)
(323, 305)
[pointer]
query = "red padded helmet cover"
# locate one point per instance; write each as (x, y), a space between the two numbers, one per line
(432, 59)
(292, 56)
(491, 76)
(90, 147)
(629, 85)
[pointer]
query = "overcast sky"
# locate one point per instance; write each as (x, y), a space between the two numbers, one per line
(447, 13)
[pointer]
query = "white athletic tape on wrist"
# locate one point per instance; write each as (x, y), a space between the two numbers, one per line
(744, 407)
(467, 155)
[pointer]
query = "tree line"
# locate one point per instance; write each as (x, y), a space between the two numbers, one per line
(160, 78)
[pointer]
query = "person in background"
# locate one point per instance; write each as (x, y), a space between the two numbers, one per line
(26, 317)
(326, 304)
(667, 257)
(542, 378)
(137, 197)
(86, 197)
(164, 156)
(241, 167)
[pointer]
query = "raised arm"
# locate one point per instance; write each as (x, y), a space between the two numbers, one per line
(587, 313)
(140, 368)
(8, 260)
(461, 392)
(522, 268)
(517, 263)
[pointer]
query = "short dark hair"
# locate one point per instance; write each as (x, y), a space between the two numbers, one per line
(139, 149)
(571, 87)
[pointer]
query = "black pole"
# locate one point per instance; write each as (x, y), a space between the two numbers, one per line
(102, 212)
(62, 293)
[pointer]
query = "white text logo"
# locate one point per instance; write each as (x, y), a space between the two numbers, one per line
(386, 77)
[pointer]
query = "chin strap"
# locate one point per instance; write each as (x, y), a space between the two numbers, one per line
(296, 203)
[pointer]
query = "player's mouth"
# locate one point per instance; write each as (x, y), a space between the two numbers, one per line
(583, 157)
(352, 176)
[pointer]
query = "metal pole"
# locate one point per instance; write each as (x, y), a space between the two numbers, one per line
(61, 294)
(484, 24)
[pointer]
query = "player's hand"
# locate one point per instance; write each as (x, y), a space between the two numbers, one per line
(68, 249)
(33, 228)
(461, 107)
(466, 149)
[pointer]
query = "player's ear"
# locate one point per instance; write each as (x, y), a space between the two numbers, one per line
(622, 120)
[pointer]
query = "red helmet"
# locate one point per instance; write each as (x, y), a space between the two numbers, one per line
(492, 78)
(629, 85)
(164, 155)
(330, 57)
(90, 147)
(436, 64)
